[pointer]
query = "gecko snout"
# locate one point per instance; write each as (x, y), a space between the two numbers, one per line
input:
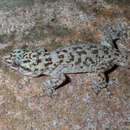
(6, 59)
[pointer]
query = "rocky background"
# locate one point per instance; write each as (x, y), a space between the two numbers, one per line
(50, 24)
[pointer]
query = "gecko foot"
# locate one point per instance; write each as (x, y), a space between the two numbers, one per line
(113, 83)
(51, 92)
(109, 93)
(98, 88)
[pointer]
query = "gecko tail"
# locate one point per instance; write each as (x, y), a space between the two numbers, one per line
(114, 31)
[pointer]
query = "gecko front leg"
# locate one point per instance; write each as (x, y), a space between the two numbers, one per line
(100, 83)
(54, 82)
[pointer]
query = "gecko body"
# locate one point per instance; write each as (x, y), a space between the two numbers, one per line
(78, 58)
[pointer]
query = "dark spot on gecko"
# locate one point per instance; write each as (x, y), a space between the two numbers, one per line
(55, 65)
(39, 53)
(27, 69)
(36, 70)
(30, 55)
(93, 46)
(46, 54)
(34, 55)
(34, 64)
(48, 59)
(26, 50)
(106, 52)
(39, 61)
(25, 54)
(42, 70)
(61, 61)
(95, 51)
(81, 67)
(68, 61)
(88, 61)
(75, 48)
(26, 61)
(57, 52)
(18, 51)
(109, 56)
(71, 58)
(47, 64)
(12, 55)
(61, 56)
(82, 52)
(117, 53)
(85, 63)
(44, 50)
(78, 62)
(65, 51)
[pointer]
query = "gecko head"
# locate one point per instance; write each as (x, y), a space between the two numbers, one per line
(13, 59)
(23, 57)
(24, 60)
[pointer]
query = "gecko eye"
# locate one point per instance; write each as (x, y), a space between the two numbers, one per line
(15, 63)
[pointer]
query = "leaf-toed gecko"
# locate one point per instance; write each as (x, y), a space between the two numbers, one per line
(78, 58)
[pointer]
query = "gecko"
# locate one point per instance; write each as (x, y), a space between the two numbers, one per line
(70, 59)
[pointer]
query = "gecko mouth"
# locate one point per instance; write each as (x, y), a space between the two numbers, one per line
(6, 60)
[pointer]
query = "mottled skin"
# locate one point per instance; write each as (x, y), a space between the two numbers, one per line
(78, 58)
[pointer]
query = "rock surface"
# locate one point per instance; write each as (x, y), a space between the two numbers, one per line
(54, 23)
